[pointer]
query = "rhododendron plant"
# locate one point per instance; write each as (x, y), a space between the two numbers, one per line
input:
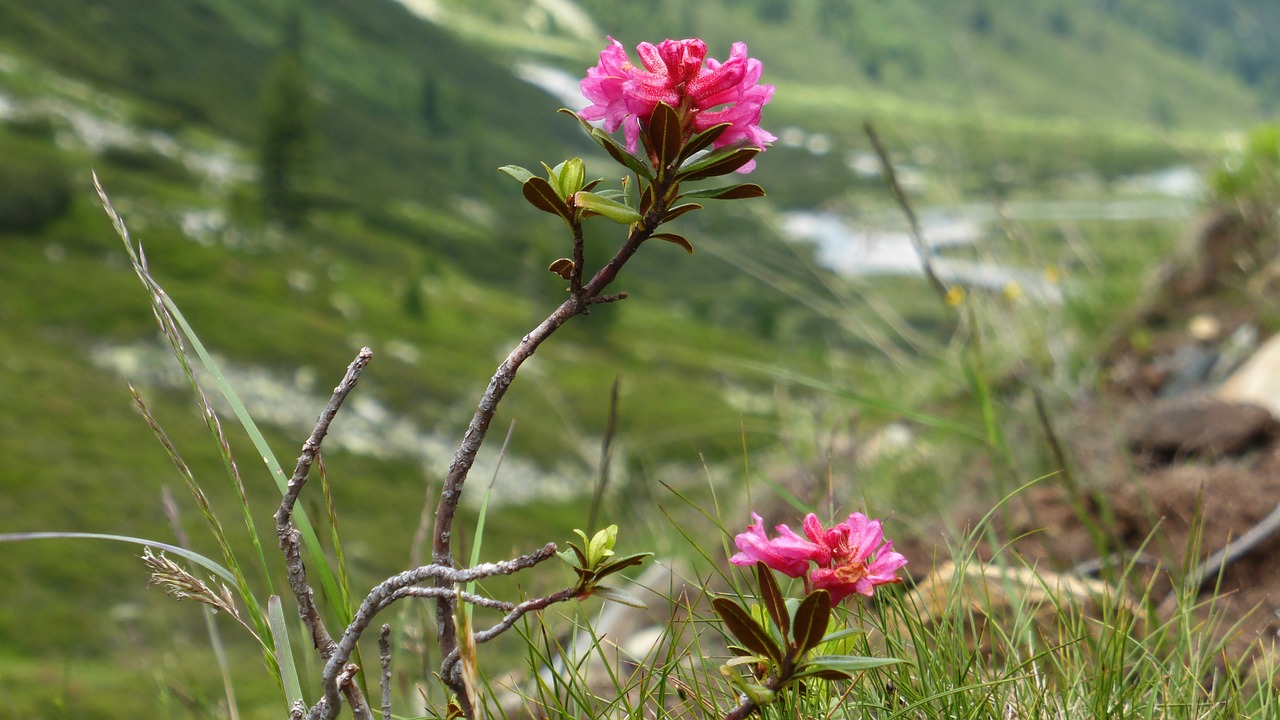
(849, 557)
(703, 91)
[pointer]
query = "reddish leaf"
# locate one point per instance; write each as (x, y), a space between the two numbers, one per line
(665, 135)
(746, 629)
(702, 140)
(721, 162)
(679, 210)
(646, 199)
(680, 240)
(773, 601)
(564, 268)
(728, 192)
(812, 618)
(541, 195)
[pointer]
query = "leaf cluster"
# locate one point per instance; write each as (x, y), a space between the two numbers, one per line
(780, 653)
(670, 159)
(593, 560)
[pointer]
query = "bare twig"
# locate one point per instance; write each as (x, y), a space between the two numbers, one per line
(312, 446)
(744, 710)
(449, 667)
(290, 538)
(393, 589)
(601, 300)
(285, 529)
(1076, 495)
(602, 480)
(351, 690)
(464, 457)
(384, 651)
(1215, 564)
(917, 237)
(575, 276)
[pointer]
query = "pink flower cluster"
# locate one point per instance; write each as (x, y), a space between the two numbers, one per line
(703, 90)
(850, 557)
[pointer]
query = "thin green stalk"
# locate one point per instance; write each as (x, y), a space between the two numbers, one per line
(310, 541)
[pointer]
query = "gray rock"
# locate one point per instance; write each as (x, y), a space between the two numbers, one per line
(1198, 427)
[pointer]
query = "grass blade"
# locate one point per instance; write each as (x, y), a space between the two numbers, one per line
(318, 561)
(195, 557)
(484, 512)
(284, 651)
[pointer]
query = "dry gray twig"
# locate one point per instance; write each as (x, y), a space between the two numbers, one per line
(285, 529)
(384, 652)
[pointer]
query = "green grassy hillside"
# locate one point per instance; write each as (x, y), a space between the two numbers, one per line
(413, 243)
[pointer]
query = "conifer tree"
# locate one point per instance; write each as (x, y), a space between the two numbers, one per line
(285, 153)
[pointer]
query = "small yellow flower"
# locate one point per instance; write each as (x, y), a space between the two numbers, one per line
(1052, 274)
(1012, 290)
(954, 296)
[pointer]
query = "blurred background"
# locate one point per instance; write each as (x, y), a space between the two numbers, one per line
(312, 176)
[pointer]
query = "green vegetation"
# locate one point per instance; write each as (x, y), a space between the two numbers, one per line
(397, 232)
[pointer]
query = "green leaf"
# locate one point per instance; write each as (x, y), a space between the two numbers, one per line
(604, 592)
(840, 635)
(543, 196)
(284, 652)
(553, 178)
(680, 240)
(746, 629)
(759, 694)
(721, 162)
(611, 209)
(613, 147)
(619, 565)
(562, 267)
(679, 210)
(773, 601)
(812, 618)
(585, 125)
(620, 154)
(665, 135)
(728, 192)
(572, 174)
(612, 194)
(846, 664)
(702, 141)
(601, 545)
(516, 172)
(195, 557)
(577, 551)
(833, 675)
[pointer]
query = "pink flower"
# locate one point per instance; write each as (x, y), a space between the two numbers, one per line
(704, 91)
(788, 553)
(851, 557)
(603, 86)
(855, 557)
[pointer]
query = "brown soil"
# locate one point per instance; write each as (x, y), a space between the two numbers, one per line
(1150, 509)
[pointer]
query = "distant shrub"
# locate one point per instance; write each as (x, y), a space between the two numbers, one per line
(34, 127)
(35, 188)
(146, 161)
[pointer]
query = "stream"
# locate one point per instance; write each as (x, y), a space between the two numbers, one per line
(856, 248)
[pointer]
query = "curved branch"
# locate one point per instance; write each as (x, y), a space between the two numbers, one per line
(464, 457)
(395, 588)
(449, 667)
